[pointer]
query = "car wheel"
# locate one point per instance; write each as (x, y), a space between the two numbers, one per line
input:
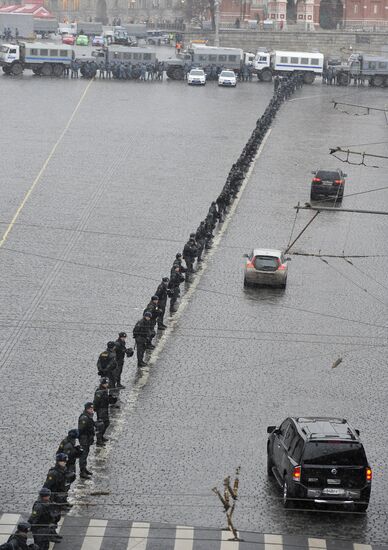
(313, 196)
(283, 285)
(246, 284)
(287, 502)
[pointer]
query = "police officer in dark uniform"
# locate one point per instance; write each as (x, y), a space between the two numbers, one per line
(200, 237)
(73, 451)
(86, 428)
(121, 352)
(141, 334)
(173, 286)
(162, 293)
(189, 255)
(57, 482)
(44, 518)
(153, 308)
(178, 262)
(102, 400)
(107, 363)
(18, 541)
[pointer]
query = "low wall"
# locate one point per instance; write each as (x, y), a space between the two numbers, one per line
(329, 42)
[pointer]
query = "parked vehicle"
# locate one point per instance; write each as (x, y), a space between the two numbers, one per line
(68, 39)
(328, 183)
(98, 41)
(82, 40)
(321, 460)
(228, 79)
(42, 58)
(156, 38)
(202, 56)
(267, 267)
(196, 77)
(368, 68)
(269, 64)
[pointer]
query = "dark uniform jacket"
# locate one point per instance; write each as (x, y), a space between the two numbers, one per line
(102, 400)
(106, 363)
(42, 516)
(120, 351)
(142, 330)
(175, 280)
(15, 542)
(56, 482)
(161, 292)
(72, 450)
(190, 251)
(86, 429)
(154, 310)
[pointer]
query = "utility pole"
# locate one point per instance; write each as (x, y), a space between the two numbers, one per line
(217, 22)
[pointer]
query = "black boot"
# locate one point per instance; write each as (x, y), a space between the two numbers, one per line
(84, 475)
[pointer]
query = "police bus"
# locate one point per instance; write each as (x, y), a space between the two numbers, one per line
(42, 58)
(269, 64)
(201, 55)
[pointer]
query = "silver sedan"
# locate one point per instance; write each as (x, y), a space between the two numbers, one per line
(264, 266)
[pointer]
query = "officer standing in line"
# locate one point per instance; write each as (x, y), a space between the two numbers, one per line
(178, 262)
(56, 481)
(189, 255)
(102, 400)
(121, 352)
(86, 428)
(173, 286)
(162, 293)
(141, 334)
(72, 451)
(107, 363)
(18, 541)
(44, 518)
(153, 308)
(200, 238)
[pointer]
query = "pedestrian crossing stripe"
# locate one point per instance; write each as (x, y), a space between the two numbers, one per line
(81, 533)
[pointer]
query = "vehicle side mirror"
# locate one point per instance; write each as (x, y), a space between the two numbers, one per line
(288, 259)
(357, 432)
(245, 255)
(271, 429)
(314, 172)
(345, 175)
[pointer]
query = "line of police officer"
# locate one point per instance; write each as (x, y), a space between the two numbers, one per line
(52, 499)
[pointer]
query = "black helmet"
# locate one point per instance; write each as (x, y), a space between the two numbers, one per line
(179, 255)
(74, 434)
(192, 235)
(104, 380)
(61, 457)
(165, 280)
(147, 314)
(110, 345)
(155, 297)
(45, 492)
(23, 526)
(122, 335)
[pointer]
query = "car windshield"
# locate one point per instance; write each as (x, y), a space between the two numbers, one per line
(4, 49)
(334, 453)
(197, 73)
(326, 175)
(227, 73)
(266, 263)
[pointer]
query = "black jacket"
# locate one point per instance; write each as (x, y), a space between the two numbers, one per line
(102, 399)
(153, 309)
(69, 447)
(86, 429)
(107, 362)
(175, 280)
(42, 516)
(190, 251)
(142, 330)
(161, 291)
(15, 542)
(56, 481)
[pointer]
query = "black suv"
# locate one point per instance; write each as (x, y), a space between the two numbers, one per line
(320, 460)
(330, 183)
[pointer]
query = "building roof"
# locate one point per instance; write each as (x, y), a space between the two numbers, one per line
(37, 10)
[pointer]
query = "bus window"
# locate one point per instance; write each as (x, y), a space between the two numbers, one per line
(232, 58)
(63, 53)
(136, 56)
(127, 55)
(116, 55)
(213, 58)
(304, 61)
(222, 58)
(315, 62)
(202, 57)
(372, 65)
(284, 60)
(53, 53)
(382, 65)
(34, 51)
(147, 57)
(43, 52)
(295, 60)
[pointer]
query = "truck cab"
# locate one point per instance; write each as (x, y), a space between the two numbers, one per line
(262, 66)
(8, 54)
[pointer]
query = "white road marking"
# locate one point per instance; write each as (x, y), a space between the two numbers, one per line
(94, 534)
(317, 543)
(184, 538)
(138, 536)
(273, 542)
(357, 546)
(8, 524)
(227, 543)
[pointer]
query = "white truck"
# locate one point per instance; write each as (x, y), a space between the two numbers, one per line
(268, 64)
(42, 58)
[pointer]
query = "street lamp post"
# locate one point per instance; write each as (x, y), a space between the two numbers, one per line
(217, 22)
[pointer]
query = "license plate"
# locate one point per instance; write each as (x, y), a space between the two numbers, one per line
(327, 183)
(332, 491)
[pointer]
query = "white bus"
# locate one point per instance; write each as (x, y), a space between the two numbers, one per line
(268, 64)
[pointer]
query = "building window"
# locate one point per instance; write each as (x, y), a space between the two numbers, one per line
(375, 9)
(356, 8)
